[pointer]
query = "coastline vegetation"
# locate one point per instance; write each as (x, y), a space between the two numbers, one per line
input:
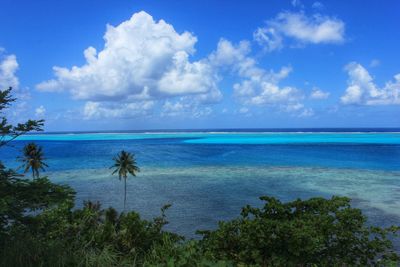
(39, 226)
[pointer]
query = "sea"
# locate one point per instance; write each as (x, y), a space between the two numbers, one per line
(208, 175)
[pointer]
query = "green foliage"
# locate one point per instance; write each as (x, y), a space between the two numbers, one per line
(125, 164)
(182, 254)
(9, 132)
(84, 237)
(323, 232)
(33, 159)
(21, 199)
(314, 232)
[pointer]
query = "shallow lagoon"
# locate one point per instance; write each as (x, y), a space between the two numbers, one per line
(210, 176)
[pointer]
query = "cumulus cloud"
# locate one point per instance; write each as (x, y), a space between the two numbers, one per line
(141, 57)
(298, 110)
(362, 90)
(145, 65)
(96, 110)
(185, 108)
(258, 87)
(268, 37)
(8, 78)
(307, 112)
(315, 29)
(8, 69)
(142, 60)
(317, 93)
(262, 91)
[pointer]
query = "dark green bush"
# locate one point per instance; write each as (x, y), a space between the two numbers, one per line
(324, 232)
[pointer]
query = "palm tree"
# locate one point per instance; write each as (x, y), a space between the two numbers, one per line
(33, 159)
(125, 164)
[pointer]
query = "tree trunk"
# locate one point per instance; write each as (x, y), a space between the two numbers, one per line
(125, 194)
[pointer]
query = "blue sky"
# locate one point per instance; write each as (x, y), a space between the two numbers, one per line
(202, 64)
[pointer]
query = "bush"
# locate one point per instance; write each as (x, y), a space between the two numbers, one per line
(324, 232)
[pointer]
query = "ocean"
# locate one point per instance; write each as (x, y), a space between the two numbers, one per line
(208, 175)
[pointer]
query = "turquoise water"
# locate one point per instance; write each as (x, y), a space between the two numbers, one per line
(209, 176)
(230, 138)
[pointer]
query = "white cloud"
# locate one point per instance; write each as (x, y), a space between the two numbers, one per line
(146, 61)
(269, 38)
(363, 91)
(8, 78)
(187, 78)
(8, 69)
(316, 29)
(308, 112)
(40, 111)
(262, 91)
(97, 110)
(185, 108)
(227, 54)
(258, 87)
(319, 94)
(298, 110)
(141, 59)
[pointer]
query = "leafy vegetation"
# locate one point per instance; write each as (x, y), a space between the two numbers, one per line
(323, 232)
(33, 159)
(9, 132)
(39, 226)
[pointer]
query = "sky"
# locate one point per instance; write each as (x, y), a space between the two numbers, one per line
(131, 65)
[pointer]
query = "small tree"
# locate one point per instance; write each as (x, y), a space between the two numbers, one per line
(125, 164)
(19, 197)
(33, 159)
(9, 132)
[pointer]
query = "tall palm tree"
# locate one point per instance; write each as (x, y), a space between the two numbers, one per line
(33, 159)
(125, 164)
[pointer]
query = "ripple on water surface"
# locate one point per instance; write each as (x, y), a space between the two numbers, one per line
(201, 196)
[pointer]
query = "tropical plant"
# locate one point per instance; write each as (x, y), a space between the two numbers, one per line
(33, 159)
(313, 232)
(21, 199)
(125, 164)
(9, 132)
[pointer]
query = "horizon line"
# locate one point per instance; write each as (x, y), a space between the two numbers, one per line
(250, 129)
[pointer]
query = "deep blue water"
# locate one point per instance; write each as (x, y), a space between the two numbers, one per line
(209, 176)
(83, 151)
